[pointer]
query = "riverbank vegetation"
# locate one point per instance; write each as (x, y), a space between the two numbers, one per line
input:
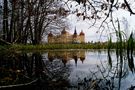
(106, 45)
(53, 46)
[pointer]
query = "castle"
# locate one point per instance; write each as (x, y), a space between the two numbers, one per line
(66, 37)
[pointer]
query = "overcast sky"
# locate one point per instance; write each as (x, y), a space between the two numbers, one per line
(127, 24)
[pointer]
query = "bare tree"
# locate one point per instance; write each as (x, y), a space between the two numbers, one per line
(29, 20)
(101, 10)
(5, 20)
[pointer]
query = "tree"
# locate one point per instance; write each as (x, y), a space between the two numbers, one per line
(105, 7)
(42, 17)
(28, 20)
(5, 20)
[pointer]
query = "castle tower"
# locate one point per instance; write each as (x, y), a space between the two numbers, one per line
(75, 36)
(63, 32)
(82, 37)
(64, 36)
(50, 37)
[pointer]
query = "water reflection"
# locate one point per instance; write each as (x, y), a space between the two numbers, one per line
(66, 56)
(25, 68)
(19, 67)
(65, 70)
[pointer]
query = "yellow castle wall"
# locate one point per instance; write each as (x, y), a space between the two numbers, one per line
(66, 38)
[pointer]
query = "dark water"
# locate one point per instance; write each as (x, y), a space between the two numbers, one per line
(64, 70)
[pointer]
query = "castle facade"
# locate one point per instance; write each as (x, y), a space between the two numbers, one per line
(66, 37)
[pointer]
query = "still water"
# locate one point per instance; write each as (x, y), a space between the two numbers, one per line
(65, 70)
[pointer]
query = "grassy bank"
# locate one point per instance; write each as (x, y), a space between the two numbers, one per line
(53, 46)
(4, 47)
(63, 46)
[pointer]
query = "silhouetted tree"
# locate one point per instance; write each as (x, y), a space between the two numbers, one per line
(28, 20)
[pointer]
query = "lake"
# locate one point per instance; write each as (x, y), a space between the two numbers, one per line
(66, 70)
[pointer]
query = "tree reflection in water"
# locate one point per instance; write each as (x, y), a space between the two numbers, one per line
(20, 68)
(108, 76)
(53, 68)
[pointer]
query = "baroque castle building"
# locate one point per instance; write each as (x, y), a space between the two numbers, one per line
(66, 37)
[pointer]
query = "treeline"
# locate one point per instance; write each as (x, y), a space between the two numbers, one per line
(27, 21)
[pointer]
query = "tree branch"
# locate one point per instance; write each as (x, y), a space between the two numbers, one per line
(130, 10)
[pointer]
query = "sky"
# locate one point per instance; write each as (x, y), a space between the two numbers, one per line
(127, 24)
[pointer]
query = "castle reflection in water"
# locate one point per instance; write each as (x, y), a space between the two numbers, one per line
(66, 56)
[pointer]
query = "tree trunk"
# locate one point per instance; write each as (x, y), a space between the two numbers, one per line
(5, 20)
(12, 22)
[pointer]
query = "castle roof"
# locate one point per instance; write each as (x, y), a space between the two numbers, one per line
(63, 31)
(75, 33)
(82, 33)
(50, 34)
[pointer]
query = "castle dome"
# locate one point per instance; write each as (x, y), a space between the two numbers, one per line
(82, 59)
(63, 31)
(82, 33)
(50, 35)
